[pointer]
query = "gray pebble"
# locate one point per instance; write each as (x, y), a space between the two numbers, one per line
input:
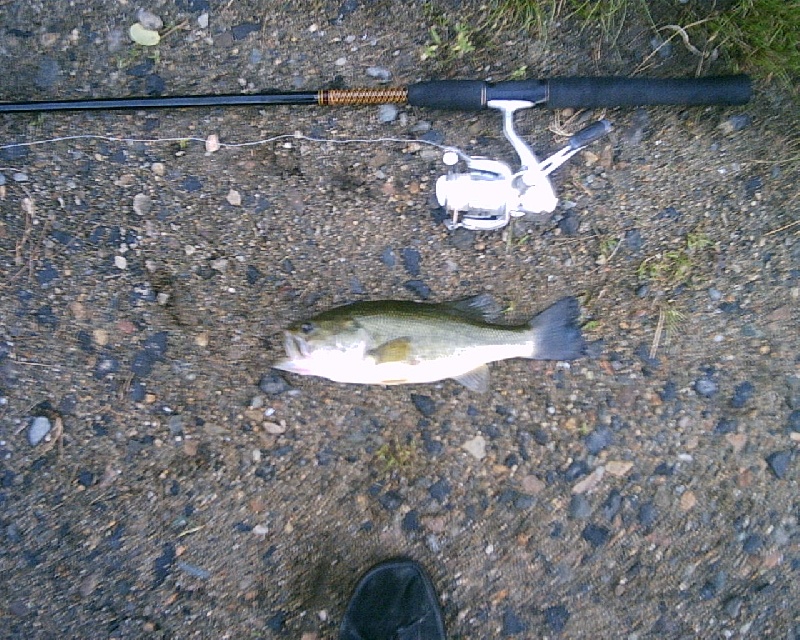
(715, 294)
(635, 132)
(149, 20)
(705, 387)
(793, 423)
(2, 179)
(47, 74)
(736, 123)
(579, 507)
(424, 404)
(793, 395)
(387, 113)
(272, 384)
(779, 463)
(19, 177)
(733, 606)
(388, 257)
(411, 261)
(381, 74)
(175, 425)
(40, 427)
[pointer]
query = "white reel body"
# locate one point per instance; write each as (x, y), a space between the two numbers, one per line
(490, 193)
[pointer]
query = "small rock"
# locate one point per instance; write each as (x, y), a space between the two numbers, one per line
(793, 423)
(142, 203)
(120, 262)
(241, 31)
(272, 384)
(779, 463)
(753, 544)
(387, 113)
(570, 224)
(418, 288)
(595, 535)
(149, 20)
(647, 515)
(633, 134)
(388, 257)
(202, 20)
(618, 468)
(424, 404)
(439, 490)
(39, 428)
(735, 123)
(598, 440)
(381, 74)
(590, 482)
(411, 261)
(579, 507)
(634, 240)
(234, 198)
(47, 74)
(532, 485)
(705, 387)
(513, 625)
(556, 618)
(575, 470)
(411, 521)
(391, 500)
(612, 505)
(476, 447)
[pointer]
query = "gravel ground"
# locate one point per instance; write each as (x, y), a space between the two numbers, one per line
(159, 480)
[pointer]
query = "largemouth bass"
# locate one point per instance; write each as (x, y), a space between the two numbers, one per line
(401, 342)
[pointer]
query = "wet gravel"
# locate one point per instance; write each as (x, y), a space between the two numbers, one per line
(158, 479)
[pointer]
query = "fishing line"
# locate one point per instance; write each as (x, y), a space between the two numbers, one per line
(236, 145)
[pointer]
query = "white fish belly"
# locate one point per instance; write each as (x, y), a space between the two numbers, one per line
(390, 373)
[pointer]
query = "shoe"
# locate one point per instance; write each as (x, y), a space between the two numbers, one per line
(394, 600)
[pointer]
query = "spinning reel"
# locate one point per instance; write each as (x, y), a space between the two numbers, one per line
(490, 193)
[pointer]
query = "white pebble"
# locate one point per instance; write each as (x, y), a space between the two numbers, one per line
(39, 428)
(234, 198)
(476, 447)
(340, 62)
(149, 20)
(202, 20)
(142, 204)
(120, 262)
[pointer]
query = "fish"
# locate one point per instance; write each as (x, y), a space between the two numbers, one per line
(391, 342)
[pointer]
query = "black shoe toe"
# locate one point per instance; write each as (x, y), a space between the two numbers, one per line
(394, 600)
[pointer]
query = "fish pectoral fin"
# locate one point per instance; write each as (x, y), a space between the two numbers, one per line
(397, 350)
(475, 380)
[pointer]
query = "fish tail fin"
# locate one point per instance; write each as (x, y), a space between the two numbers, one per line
(556, 334)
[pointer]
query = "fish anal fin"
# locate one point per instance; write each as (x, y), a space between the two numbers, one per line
(475, 380)
(397, 350)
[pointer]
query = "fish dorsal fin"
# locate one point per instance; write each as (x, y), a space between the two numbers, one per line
(481, 307)
(397, 350)
(475, 380)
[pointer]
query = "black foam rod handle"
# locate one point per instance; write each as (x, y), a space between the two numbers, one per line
(635, 92)
(557, 93)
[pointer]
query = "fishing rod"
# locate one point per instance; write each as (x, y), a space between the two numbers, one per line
(462, 95)
(490, 193)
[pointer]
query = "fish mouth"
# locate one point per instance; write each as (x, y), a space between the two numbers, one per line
(297, 351)
(296, 347)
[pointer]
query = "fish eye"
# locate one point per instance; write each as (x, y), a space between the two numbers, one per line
(307, 327)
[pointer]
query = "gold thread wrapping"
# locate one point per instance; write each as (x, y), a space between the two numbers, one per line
(339, 97)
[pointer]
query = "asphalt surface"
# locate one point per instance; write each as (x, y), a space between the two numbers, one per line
(159, 480)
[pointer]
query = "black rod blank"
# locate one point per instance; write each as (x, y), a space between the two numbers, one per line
(462, 95)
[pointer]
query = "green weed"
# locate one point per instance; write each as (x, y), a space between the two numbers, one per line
(677, 266)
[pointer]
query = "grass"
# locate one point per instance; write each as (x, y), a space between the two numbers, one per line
(759, 37)
(677, 266)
